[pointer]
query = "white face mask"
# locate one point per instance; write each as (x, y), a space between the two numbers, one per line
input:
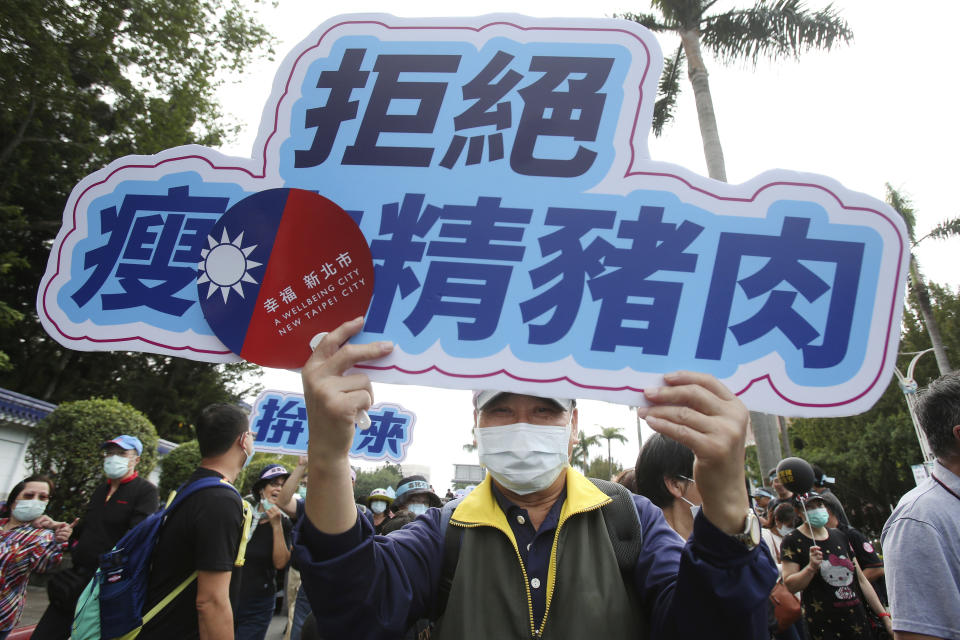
(249, 456)
(378, 506)
(694, 508)
(27, 510)
(784, 531)
(116, 467)
(417, 509)
(524, 457)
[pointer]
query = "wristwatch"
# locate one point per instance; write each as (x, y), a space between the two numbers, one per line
(750, 537)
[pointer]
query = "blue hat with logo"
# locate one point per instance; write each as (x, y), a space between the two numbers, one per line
(126, 442)
(413, 486)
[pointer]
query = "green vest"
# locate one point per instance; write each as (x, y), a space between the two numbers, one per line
(586, 594)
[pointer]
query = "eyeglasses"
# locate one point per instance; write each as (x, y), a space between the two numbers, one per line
(683, 477)
(276, 482)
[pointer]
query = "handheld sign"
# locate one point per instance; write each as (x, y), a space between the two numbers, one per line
(315, 274)
(279, 420)
(522, 237)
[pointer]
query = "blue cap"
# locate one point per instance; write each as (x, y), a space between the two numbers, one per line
(126, 442)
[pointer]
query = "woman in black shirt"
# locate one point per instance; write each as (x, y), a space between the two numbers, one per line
(267, 552)
(819, 562)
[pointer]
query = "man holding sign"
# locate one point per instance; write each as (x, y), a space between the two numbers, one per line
(512, 557)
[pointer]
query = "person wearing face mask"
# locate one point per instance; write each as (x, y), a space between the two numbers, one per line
(25, 547)
(761, 505)
(268, 551)
(203, 536)
(379, 502)
(664, 469)
(115, 507)
(820, 563)
(414, 495)
(535, 557)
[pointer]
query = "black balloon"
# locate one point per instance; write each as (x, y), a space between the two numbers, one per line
(795, 474)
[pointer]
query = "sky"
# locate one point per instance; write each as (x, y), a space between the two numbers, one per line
(879, 110)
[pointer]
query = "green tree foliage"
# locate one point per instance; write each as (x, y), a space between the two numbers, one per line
(388, 475)
(774, 29)
(580, 455)
(752, 467)
(870, 454)
(919, 291)
(13, 223)
(609, 434)
(67, 444)
(602, 468)
(176, 467)
(81, 84)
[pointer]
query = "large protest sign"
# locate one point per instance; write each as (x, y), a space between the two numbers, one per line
(521, 235)
(279, 420)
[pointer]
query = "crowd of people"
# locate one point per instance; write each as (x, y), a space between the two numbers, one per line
(679, 547)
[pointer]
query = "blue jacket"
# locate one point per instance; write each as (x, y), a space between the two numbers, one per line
(361, 585)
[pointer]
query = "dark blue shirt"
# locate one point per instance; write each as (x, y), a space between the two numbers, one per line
(534, 546)
(361, 585)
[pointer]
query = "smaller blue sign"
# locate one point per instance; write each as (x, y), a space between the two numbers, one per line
(279, 420)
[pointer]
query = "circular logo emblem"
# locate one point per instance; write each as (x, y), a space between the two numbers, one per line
(279, 267)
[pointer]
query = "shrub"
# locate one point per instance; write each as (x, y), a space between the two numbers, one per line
(176, 467)
(67, 445)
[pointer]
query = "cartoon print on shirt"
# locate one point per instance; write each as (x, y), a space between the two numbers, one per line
(838, 571)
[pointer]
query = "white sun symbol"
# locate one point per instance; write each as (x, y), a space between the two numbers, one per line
(225, 265)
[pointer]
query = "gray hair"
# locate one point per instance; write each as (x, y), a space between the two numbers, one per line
(938, 411)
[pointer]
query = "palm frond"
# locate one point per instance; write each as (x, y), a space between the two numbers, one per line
(901, 204)
(947, 229)
(681, 14)
(773, 29)
(667, 92)
(646, 19)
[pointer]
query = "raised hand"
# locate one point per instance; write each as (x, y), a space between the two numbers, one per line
(698, 411)
(334, 401)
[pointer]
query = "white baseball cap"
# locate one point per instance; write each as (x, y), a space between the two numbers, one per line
(482, 398)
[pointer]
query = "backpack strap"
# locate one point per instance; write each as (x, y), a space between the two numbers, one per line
(176, 497)
(244, 533)
(204, 483)
(623, 525)
(452, 536)
(160, 606)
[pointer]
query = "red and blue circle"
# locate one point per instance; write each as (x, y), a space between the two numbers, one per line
(280, 266)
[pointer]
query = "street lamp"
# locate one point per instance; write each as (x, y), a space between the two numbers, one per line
(909, 387)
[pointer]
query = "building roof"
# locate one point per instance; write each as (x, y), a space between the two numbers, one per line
(19, 409)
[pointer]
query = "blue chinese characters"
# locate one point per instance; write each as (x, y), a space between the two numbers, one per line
(280, 422)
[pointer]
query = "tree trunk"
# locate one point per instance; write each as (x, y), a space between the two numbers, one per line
(926, 311)
(66, 356)
(14, 142)
(609, 460)
(768, 442)
(697, 73)
(786, 449)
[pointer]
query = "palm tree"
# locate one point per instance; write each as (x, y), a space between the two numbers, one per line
(581, 451)
(771, 28)
(950, 228)
(608, 434)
